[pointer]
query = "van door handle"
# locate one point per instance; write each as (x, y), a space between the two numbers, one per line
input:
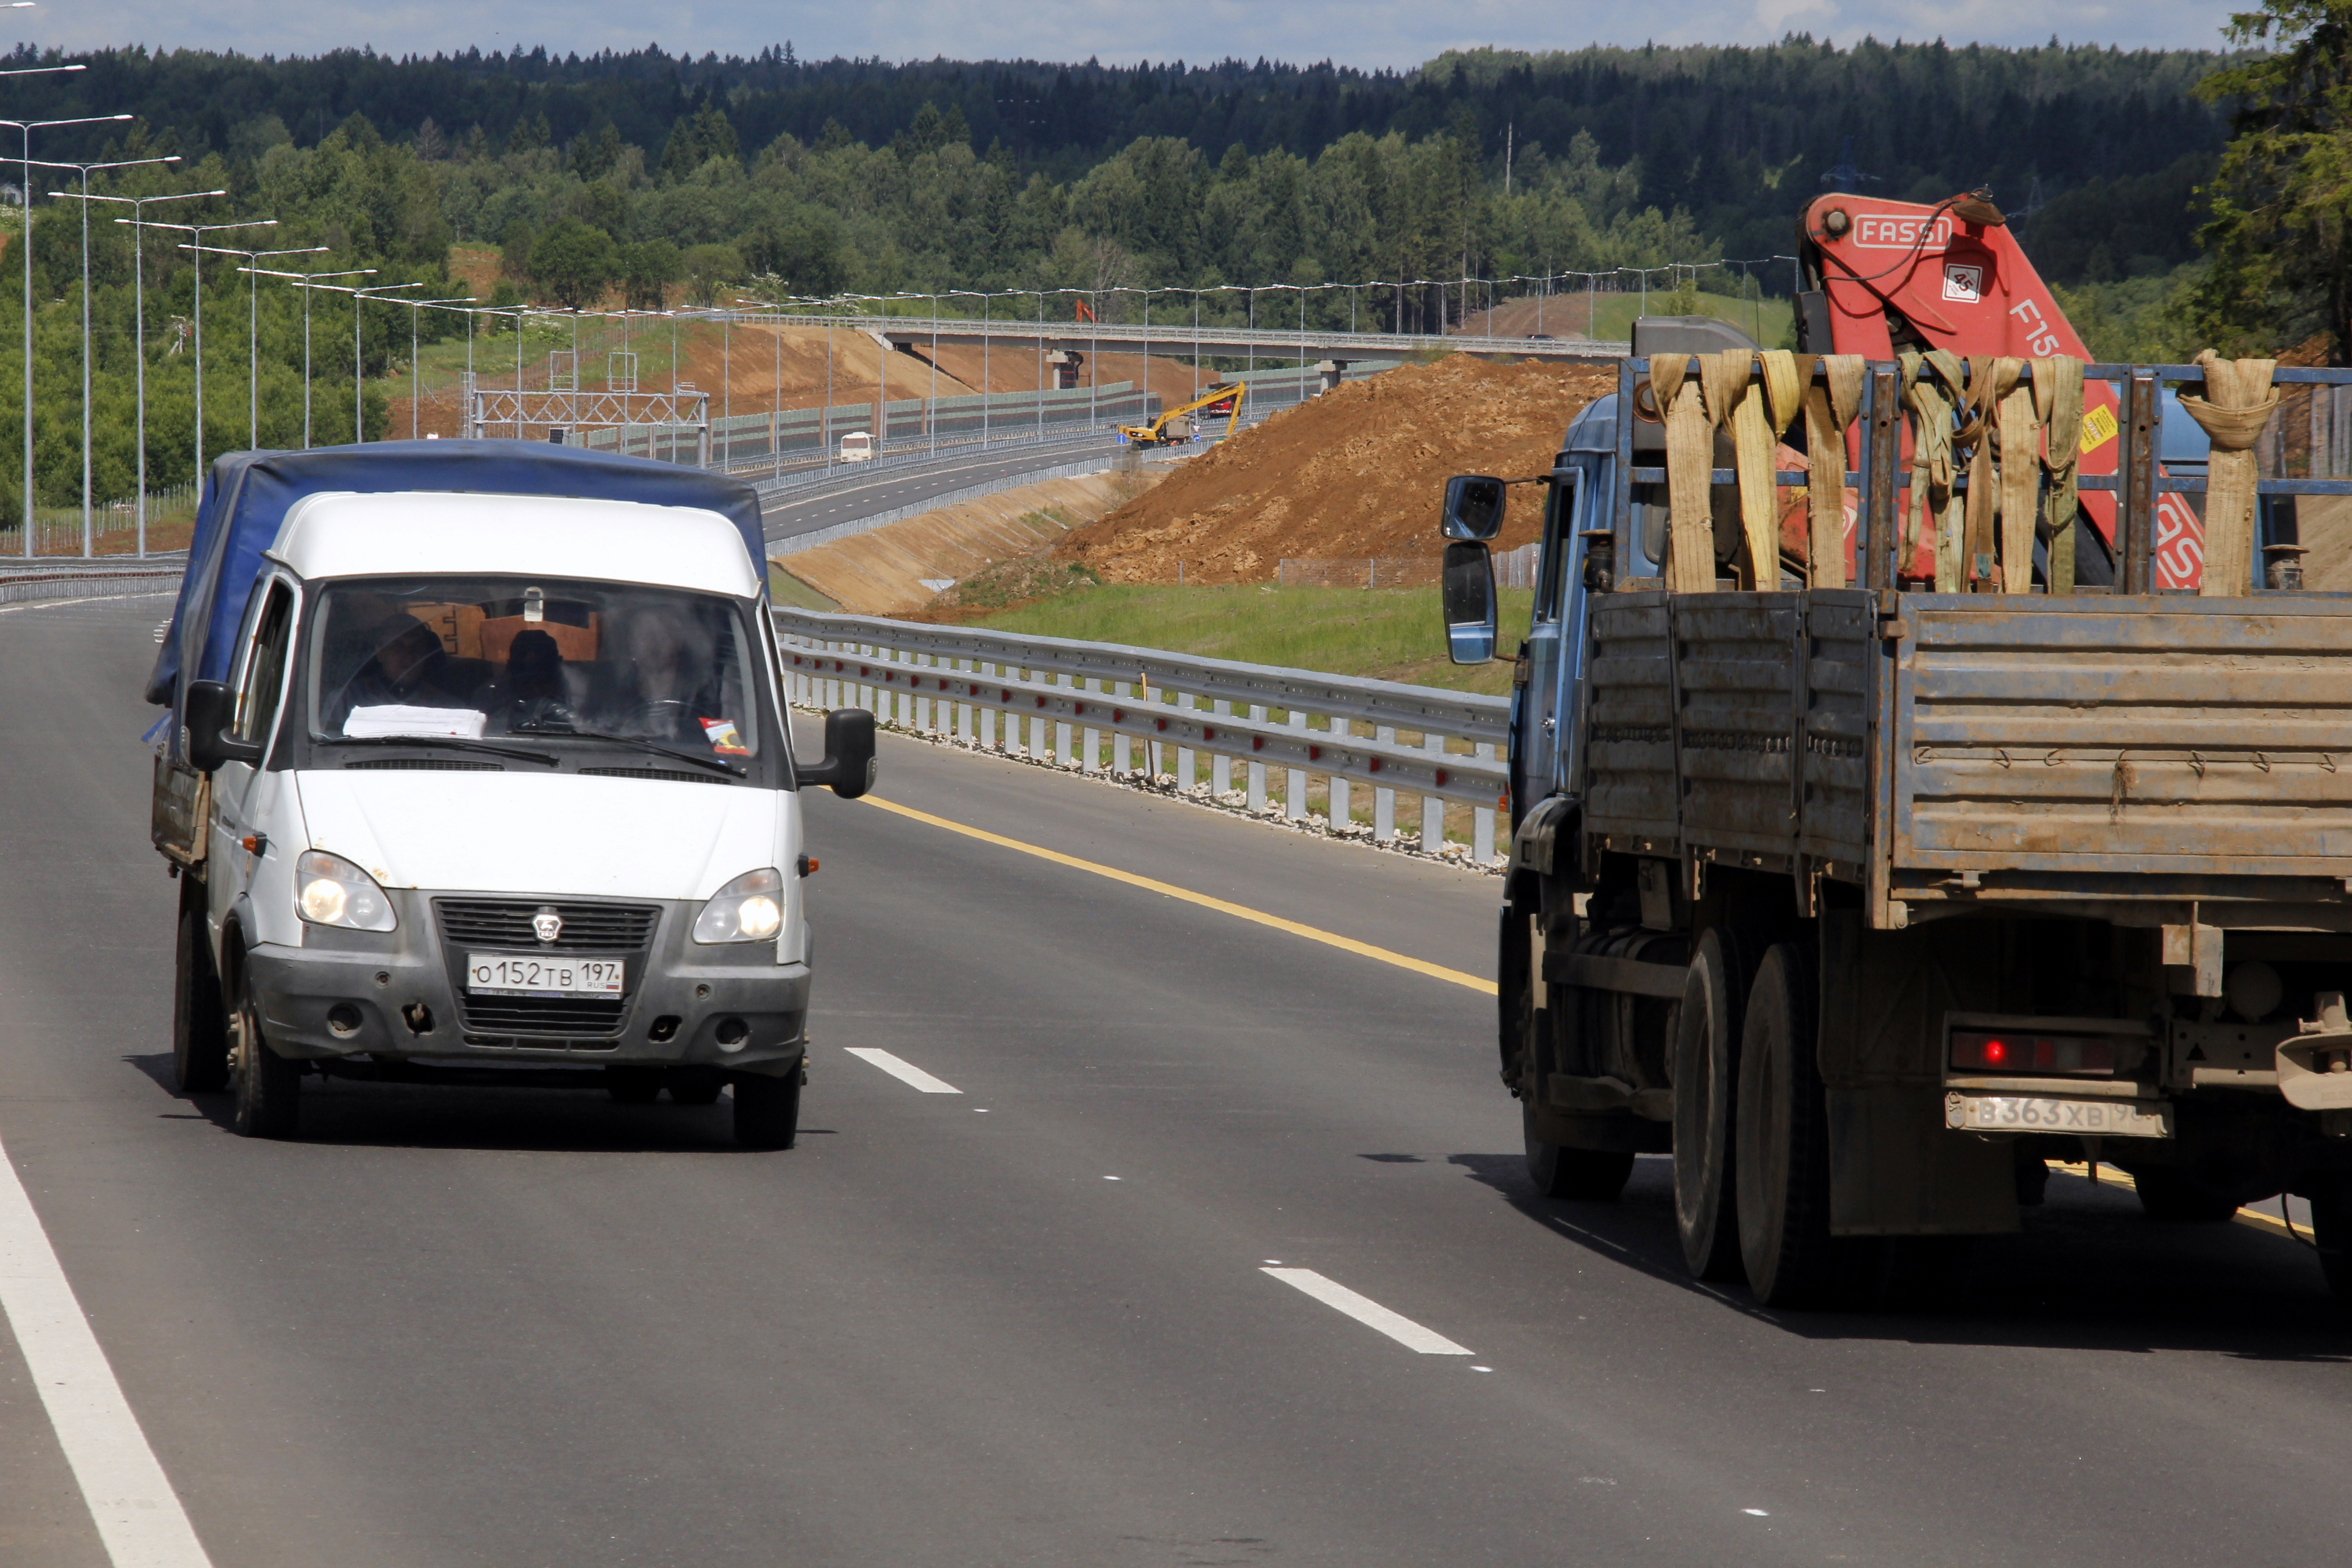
(1549, 725)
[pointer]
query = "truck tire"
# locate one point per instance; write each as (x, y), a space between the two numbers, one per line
(268, 1088)
(767, 1110)
(2331, 1233)
(199, 1027)
(1781, 1142)
(1594, 1175)
(1705, 1076)
(2176, 1198)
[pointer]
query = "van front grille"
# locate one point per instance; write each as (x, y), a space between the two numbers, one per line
(542, 1017)
(506, 923)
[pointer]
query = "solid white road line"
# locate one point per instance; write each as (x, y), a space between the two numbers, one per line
(904, 1071)
(140, 1520)
(1366, 1311)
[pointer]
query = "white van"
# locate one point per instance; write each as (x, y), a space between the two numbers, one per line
(485, 787)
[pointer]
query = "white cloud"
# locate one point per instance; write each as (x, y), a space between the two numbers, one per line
(1362, 34)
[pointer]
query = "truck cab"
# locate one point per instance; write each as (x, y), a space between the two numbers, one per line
(489, 788)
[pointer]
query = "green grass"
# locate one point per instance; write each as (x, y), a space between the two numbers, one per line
(1771, 322)
(789, 593)
(1386, 634)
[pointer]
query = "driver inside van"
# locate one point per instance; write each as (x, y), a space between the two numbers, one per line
(401, 672)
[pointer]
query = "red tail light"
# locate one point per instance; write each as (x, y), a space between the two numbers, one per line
(2015, 1052)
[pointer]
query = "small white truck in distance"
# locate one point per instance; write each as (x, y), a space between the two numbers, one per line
(478, 773)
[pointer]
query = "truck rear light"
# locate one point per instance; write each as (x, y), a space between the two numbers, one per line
(2002, 1051)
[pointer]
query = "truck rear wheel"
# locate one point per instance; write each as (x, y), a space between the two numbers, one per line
(199, 1029)
(1705, 1076)
(767, 1110)
(1595, 1175)
(1781, 1144)
(269, 1086)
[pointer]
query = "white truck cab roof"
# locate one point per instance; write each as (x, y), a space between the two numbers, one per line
(399, 533)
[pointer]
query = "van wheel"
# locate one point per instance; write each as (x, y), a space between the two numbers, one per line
(269, 1086)
(767, 1110)
(199, 1031)
(1705, 1076)
(2178, 1198)
(1781, 1147)
(1594, 1175)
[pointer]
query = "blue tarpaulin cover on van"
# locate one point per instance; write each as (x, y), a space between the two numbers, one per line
(248, 493)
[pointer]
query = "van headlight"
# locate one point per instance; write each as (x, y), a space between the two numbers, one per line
(328, 890)
(748, 908)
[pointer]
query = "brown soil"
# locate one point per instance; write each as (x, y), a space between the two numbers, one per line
(1356, 471)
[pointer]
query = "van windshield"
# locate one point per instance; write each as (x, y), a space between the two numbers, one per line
(476, 657)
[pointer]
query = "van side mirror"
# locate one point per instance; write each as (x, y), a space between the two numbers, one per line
(207, 712)
(848, 767)
(1467, 592)
(1473, 506)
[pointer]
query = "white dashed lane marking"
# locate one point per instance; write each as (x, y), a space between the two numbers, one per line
(1366, 1311)
(904, 1071)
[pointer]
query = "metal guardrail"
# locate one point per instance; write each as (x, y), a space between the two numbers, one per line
(90, 582)
(1350, 730)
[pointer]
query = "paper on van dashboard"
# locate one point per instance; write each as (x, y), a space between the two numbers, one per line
(390, 718)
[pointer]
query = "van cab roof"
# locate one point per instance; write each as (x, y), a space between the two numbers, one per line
(408, 532)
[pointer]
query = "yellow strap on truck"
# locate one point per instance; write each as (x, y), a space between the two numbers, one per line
(2058, 404)
(2239, 401)
(2020, 483)
(1931, 390)
(1690, 470)
(1830, 409)
(1733, 401)
(1991, 380)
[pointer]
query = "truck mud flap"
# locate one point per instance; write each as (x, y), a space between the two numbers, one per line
(1896, 1170)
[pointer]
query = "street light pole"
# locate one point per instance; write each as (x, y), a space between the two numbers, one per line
(306, 282)
(84, 169)
(139, 281)
(24, 129)
(199, 230)
(359, 402)
(252, 325)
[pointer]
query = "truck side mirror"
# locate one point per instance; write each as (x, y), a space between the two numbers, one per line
(848, 766)
(1473, 506)
(1468, 596)
(207, 712)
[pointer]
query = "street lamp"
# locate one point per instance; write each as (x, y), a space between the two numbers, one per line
(359, 406)
(306, 286)
(139, 277)
(24, 129)
(415, 380)
(253, 328)
(84, 169)
(199, 230)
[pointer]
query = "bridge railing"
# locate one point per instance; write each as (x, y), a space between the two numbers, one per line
(1086, 706)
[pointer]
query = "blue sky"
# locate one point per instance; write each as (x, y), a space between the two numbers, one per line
(1354, 32)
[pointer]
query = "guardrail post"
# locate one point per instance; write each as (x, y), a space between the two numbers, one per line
(1337, 813)
(1036, 733)
(1257, 769)
(1221, 766)
(1063, 756)
(1122, 752)
(922, 703)
(1383, 799)
(988, 714)
(1090, 741)
(963, 725)
(1294, 786)
(1185, 769)
(1482, 818)
(1433, 808)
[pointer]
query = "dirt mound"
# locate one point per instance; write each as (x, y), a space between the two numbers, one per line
(1356, 471)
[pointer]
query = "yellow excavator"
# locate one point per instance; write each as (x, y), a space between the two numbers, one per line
(1225, 398)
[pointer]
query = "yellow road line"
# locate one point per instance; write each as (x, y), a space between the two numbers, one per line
(2253, 1218)
(1239, 911)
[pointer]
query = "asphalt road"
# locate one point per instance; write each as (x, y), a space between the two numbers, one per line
(466, 1327)
(795, 513)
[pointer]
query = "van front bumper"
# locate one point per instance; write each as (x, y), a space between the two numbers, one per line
(398, 994)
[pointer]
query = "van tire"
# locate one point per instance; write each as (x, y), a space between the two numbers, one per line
(1705, 1076)
(1780, 1145)
(269, 1086)
(199, 1027)
(767, 1110)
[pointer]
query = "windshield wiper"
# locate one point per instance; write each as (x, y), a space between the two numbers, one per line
(720, 764)
(452, 740)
